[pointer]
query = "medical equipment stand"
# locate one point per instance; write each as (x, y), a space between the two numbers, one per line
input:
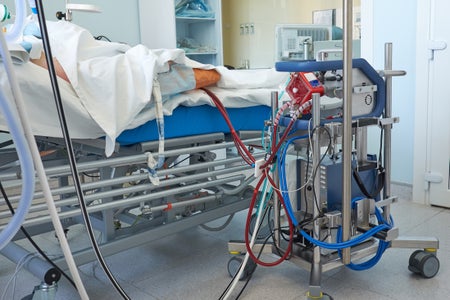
(315, 279)
(423, 262)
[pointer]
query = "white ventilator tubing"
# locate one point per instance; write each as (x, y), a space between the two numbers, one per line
(15, 32)
(40, 171)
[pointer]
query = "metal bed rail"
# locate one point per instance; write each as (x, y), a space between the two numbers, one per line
(195, 187)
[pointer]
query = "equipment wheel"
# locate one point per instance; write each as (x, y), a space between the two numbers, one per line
(266, 227)
(424, 263)
(235, 263)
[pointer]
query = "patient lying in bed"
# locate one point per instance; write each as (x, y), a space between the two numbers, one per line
(110, 84)
(114, 81)
(185, 76)
(202, 78)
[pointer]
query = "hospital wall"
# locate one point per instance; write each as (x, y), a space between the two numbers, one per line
(118, 21)
(259, 48)
(382, 23)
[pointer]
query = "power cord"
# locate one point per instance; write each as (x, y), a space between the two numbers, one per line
(23, 261)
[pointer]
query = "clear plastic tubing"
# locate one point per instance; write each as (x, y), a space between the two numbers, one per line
(15, 32)
(27, 169)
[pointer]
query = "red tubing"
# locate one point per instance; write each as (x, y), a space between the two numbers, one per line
(248, 221)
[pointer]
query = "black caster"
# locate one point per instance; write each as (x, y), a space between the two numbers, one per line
(424, 263)
(235, 263)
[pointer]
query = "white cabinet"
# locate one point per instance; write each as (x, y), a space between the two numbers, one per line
(200, 37)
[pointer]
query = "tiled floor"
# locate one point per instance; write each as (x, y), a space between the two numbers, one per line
(192, 265)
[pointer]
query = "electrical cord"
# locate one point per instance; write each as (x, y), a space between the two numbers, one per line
(71, 154)
(219, 228)
(22, 262)
(30, 239)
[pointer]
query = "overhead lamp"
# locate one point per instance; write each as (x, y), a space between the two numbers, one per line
(71, 7)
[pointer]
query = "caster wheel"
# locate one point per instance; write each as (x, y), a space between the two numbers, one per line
(265, 229)
(424, 263)
(234, 265)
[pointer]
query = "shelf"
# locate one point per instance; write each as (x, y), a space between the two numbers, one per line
(200, 53)
(200, 36)
(194, 19)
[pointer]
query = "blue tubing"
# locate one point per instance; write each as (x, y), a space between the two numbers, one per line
(382, 245)
(27, 169)
(347, 244)
(283, 181)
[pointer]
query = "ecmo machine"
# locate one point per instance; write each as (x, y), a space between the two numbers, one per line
(314, 221)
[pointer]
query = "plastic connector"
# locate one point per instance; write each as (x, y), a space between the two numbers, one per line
(258, 164)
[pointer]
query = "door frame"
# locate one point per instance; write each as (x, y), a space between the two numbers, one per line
(424, 157)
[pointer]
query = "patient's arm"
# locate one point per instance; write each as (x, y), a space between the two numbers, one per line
(41, 61)
(203, 78)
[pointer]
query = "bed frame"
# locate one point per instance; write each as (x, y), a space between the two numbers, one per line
(203, 180)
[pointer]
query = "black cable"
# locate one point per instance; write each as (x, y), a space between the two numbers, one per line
(70, 151)
(30, 239)
(90, 176)
(380, 177)
(179, 162)
(102, 37)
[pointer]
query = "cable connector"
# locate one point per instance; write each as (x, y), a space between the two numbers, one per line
(258, 164)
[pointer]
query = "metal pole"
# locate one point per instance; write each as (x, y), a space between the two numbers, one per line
(316, 267)
(276, 201)
(347, 128)
(388, 129)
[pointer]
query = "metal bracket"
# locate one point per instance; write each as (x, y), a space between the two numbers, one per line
(388, 121)
(431, 177)
(435, 46)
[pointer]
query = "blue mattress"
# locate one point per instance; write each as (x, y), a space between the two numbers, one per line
(187, 121)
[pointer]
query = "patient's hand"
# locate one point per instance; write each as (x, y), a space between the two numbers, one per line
(58, 68)
(204, 78)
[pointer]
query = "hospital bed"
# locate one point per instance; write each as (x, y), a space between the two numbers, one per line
(203, 177)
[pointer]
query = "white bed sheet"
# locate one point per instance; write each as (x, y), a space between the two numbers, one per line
(38, 96)
(111, 85)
